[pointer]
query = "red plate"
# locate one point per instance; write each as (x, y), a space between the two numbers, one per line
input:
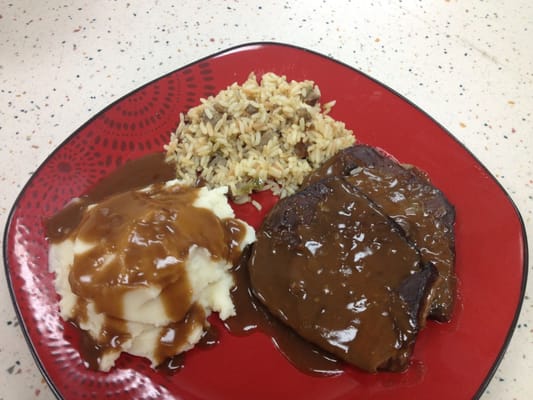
(454, 360)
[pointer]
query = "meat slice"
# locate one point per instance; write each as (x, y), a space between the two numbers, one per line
(406, 195)
(333, 267)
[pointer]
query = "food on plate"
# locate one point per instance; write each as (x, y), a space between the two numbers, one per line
(252, 316)
(144, 268)
(358, 258)
(405, 194)
(256, 136)
(350, 262)
(331, 265)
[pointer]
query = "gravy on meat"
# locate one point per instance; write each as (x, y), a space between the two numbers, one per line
(332, 266)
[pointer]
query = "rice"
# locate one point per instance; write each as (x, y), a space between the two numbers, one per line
(257, 136)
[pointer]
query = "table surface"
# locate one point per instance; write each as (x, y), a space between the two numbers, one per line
(469, 64)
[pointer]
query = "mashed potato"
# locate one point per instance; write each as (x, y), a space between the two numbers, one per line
(144, 269)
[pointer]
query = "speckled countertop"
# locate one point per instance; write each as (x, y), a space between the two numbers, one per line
(469, 64)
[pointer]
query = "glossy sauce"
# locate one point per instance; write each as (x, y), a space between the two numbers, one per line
(331, 265)
(406, 195)
(252, 316)
(140, 239)
(134, 174)
(175, 363)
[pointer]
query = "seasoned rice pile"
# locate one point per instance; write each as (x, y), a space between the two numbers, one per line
(257, 136)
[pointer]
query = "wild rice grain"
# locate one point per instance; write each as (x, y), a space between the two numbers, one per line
(256, 136)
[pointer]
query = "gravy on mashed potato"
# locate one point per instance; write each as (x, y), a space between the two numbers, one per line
(141, 270)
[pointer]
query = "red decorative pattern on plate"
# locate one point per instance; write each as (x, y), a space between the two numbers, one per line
(453, 360)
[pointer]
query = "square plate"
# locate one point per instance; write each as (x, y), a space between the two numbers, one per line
(452, 360)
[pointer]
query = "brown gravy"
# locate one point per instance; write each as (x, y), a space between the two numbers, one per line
(140, 239)
(331, 265)
(253, 316)
(134, 174)
(405, 194)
